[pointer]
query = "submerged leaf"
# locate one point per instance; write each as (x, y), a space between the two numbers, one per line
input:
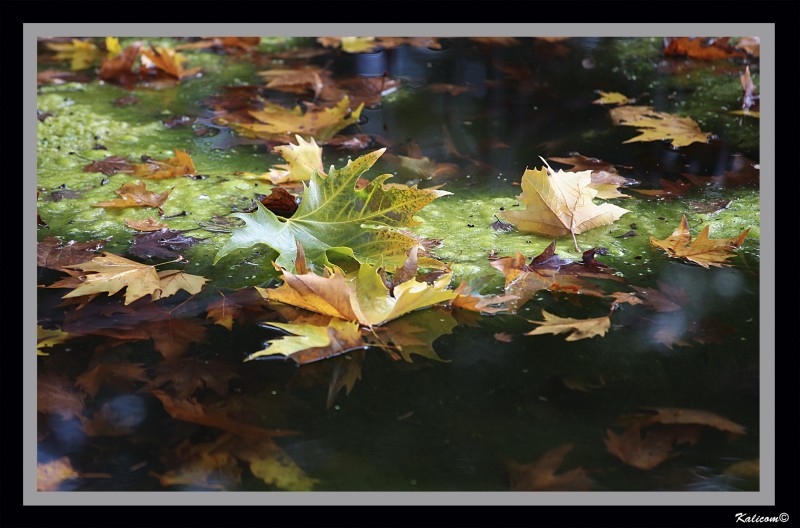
(136, 195)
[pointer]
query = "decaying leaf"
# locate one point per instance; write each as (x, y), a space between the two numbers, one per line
(280, 202)
(658, 126)
(111, 165)
(560, 202)
(52, 253)
(548, 271)
(702, 250)
(164, 244)
(173, 281)
(151, 224)
(541, 475)
(136, 195)
(336, 218)
(578, 328)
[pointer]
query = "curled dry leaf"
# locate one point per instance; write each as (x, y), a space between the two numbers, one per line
(702, 250)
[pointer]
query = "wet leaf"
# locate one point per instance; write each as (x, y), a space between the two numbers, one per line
(560, 202)
(111, 273)
(60, 77)
(180, 164)
(173, 281)
(490, 304)
(303, 160)
(578, 328)
(168, 61)
(119, 69)
(605, 178)
(674, 415)
(743, 172)
(702, 250)
(52, 253)
(273, 466)
(136, 195)
(336, 218)
(50, 475)
(503, 337)
(229, 44)
(111, 165)
(658, 126)
(313, 343)
(151, 224)
(359, 297)
(669, 189)
(414, 333)
(118, 376)
(55, 394)
(164, 244)
(541, 475)
(280, 202)
(277, 123)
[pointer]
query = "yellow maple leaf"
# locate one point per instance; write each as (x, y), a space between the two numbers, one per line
(559, 203)
(360, 297)
(303, 160)
(702, 250)
(312, 342)
(81, 54)
(110, 273)
(658, 126)
(579, 328)
(172, 281)
(607, 98)
(277, 122)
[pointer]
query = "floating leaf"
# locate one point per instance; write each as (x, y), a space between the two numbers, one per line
(275, 122)
(303, 160)
(578, 328)
(151, 224)
(111, 165)
(164, 243)
(110, 273)
(180, 164)
(136, 195)
(169, 61)
(336, 218)
(609, 98)
(560, 202)
(658, 126)
(54, 254)
(313, 343)
(702, 250)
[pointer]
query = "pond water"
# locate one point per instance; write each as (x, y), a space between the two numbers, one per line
(155, 395)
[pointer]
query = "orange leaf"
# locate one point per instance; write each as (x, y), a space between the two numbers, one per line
(136, 195)
(703, 250)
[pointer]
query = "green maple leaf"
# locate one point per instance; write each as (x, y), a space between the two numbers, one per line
(336, 218)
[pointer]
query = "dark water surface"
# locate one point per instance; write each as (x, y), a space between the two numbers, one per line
(370, 421)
